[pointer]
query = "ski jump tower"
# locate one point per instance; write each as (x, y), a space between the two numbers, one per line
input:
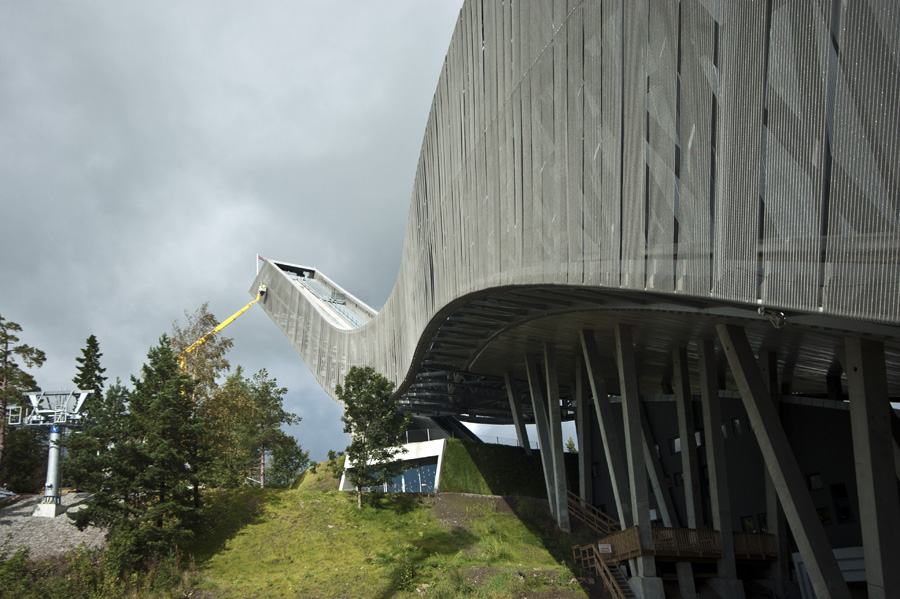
(634, 212)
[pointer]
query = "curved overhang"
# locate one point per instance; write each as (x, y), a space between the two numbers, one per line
(577, 175)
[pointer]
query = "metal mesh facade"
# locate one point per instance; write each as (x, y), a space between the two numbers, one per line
(741, 153)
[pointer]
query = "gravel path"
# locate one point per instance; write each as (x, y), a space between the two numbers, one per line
(45, 537)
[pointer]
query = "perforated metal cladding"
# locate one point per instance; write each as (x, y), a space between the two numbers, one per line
(741, 151)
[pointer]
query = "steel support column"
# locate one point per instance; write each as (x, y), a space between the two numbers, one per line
(583, 430)
(559, 485)
(612, 445)
(634, 445)
(684, 406)
(879, 506)
(516, 408)
(824, 573)
(776, 524)
(727, 584)
(654, 472)
(543, 430)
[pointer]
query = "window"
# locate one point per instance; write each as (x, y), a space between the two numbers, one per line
(698, 436)
(841, 503)
(824, 515)
(724, 431)
(763, 520)
(747, 524)
(737, 426)
(675, 445)
(679, 479)
(815, 481)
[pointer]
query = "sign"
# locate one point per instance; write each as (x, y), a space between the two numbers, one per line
(605, 548)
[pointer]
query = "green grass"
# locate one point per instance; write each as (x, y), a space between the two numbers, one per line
(313, 543)
(486, 469)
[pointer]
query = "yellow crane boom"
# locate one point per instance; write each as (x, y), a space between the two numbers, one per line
(182, 357)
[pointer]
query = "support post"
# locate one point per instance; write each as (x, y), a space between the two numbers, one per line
(50, 507)
(516, 409)
(612, 445)
(870, 422)
(727, 584)
(540, 421)
(684, 406)
(645, 570)
(556, 441)
(654, 471)
(585, 438)
(776, 524)
(824, 573)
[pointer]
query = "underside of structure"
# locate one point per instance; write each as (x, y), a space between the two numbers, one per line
(623, 209)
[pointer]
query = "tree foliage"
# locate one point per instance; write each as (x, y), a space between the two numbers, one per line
(14, 381)
(89, 375)
(145, 480)
(25, 463)
(289, 460)
(245, 416)
(376, 428)
(206, 363)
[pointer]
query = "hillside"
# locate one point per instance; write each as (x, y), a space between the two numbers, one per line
(313, 543)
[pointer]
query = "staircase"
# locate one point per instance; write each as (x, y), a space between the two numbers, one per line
(589, 558)
(599, 522)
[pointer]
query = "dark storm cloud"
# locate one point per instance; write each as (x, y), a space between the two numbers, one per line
(148, 151)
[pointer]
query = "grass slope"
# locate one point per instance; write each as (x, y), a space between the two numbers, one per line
(313, 543)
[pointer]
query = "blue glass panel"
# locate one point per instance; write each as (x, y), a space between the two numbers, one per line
(427, 473)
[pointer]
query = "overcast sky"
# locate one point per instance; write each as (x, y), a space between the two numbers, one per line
(149, 152)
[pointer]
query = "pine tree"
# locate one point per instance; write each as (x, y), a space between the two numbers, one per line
(289, 459)
(228, 447)
(376, 428)
(92, 451)
(13, 380)
(267, 417)
(245, 417)
(146, 481)
(90, 373)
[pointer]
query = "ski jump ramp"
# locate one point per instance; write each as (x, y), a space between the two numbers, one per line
(636, 193)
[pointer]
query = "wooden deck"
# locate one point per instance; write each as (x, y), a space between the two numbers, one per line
(685, 544)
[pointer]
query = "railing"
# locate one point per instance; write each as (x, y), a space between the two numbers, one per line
(752, 545)
(686, 542)
(623, 544)
(587, 514)
(588, 557)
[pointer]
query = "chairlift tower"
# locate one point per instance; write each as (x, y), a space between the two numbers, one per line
(56, 410)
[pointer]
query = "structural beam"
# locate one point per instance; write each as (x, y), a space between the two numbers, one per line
(559, 485)
(654, 471)
(516, 408)
(583, 430)
(879, 506)
(776, 524)
(538, 404)
(612, 445)
(824, 573)
(727, 584)
(685, 408)
(634, 445)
